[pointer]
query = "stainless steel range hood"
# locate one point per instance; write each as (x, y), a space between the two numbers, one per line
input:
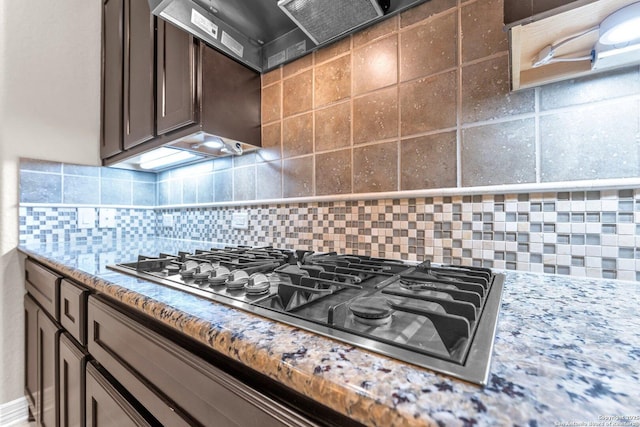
(262, 34)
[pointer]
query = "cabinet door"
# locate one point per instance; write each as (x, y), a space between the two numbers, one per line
(48, 333)
(176, 78)
(112, 34)
(138, 73)
(31, 352)
(72, 368)
(106, 407)
(226, 79)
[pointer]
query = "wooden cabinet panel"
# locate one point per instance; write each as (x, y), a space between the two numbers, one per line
(72, 382)
(106, 407)
(231, 94)
(178, 377)
(31, 352)
(138, 105)
(47, 400)
(176, 82)
(73, 310)
(112, 80)
(44, 286)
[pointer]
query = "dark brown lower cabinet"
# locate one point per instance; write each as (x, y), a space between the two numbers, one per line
(31, 352)
(71, 380)
(173, 384)
(46, 400)
(106, 406)
(129, 370)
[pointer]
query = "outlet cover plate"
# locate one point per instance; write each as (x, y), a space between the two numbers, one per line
(107, 218)
(240, 220)
(167, 220)
(86, 218)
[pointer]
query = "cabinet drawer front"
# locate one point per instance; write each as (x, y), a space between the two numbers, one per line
(71, 382)
(44, 286)
(130, 351)
(121, 348)
(73, 309)
(106, 407)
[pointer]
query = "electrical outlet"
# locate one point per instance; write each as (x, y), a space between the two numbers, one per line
(240, 220)
(167, 220)
(86, 218)
(107, 218)
(87, 262)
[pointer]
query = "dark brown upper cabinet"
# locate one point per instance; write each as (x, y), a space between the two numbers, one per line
(161, 85)
(112, 68)
(127, 75)
(518, 10)
(138, 73)
(176, 87)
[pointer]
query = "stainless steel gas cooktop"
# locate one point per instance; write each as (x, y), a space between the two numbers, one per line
(440, 317)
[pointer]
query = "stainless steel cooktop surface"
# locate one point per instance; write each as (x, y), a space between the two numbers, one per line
(440, 317)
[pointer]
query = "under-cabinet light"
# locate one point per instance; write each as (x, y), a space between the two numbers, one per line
(164, 157)
(621, 27)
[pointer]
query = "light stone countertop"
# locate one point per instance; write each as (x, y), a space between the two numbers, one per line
(567, 349)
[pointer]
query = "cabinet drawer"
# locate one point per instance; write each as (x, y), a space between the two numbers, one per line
(135, 356)
(44, 286)
(106, 406)
(73, 310)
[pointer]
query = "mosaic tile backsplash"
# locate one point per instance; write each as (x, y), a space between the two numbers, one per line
(580, 233)
(593, 233)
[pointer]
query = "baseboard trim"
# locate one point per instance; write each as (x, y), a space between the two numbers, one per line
(14, 411)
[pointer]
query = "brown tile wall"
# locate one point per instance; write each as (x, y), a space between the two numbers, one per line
(422, 101)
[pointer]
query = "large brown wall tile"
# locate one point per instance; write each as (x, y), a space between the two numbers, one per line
(333, 127)
(486, 95)
(375, 65)
(425, 10)
(500, 153)
(428, 162)
(333, 172)
(297, 93)
(428, 104)
(271, 103)
(244, 183)
(584, 143)
(297, 135)
(375, 116)
(429, 48)
(223, 186)
(297, 66)
(482, 33)
(381, 29)
(269, 180)
(334, 49)
(271, 142)
(333, 81)
(297, 176)
(614, 84)
(271, 77)
(375, 168)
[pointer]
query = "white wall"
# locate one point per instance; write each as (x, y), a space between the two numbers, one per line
(49, 110)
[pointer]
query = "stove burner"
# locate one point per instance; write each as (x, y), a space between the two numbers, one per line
(218, 276)
(257, 284)
(189, 268)
(203, 271)
(373, 311)
(236, 280)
